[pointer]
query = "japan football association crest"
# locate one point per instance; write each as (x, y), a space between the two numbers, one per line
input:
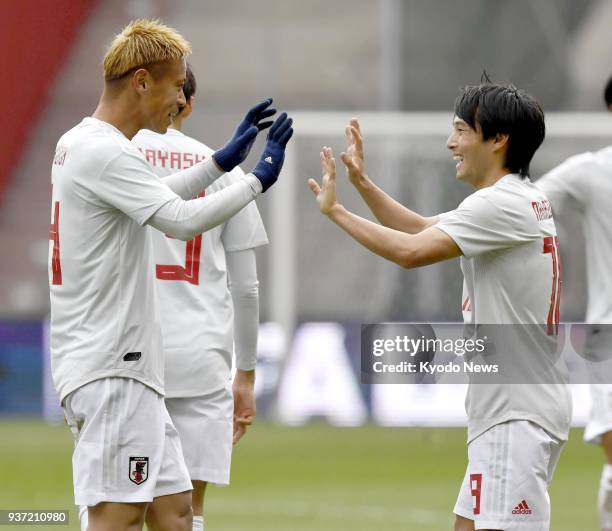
(139, 469)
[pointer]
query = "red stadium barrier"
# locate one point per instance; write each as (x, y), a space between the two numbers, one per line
(35, 38)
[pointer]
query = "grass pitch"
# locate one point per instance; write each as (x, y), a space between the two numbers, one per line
(313, 478)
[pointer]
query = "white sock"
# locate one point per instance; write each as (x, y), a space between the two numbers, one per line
(83, 517)
(604, 500)
(198, 523)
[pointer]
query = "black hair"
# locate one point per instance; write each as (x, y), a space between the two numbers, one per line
(608, 92)
(190, 85)
(506, 110)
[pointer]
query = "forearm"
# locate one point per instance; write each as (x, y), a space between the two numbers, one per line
(408, 250)
(384, 241)
(243, 378)
(186, 219)
(390, 212)
(246, 325)
(244, 288)
(192, 181)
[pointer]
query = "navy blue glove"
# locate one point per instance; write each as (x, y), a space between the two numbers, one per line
(271, 161)
(237, 149)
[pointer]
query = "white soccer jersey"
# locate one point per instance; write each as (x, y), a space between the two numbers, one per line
(104, 319)
(586, 180)
(195, 302)
(511, 272)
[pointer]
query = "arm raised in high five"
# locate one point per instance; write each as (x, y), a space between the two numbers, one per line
(407, 250)
(386, 209)
(184, 219)
(237, 148)
(190, 182)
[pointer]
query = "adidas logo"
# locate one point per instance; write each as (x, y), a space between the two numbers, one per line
(268, 160)
(522, 508)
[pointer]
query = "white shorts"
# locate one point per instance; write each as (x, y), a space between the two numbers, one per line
(205, 425)
(506, 484)
(127, 449)
(600, 417)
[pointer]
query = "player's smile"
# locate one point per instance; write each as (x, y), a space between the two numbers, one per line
(459, 159)
(174, 107)
(172, 116)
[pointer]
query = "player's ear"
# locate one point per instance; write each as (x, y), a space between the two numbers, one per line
(140, 80)
(500, 141)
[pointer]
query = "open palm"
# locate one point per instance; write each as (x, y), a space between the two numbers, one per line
(326, 193)
(353, 157)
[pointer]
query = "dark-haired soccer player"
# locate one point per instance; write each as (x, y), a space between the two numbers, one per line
(585, 181)
(209, 307)
(506, 238)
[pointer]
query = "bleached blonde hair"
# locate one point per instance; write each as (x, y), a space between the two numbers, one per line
(143, 42)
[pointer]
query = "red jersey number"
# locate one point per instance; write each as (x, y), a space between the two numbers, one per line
(56, 267)
(476, 491)
(191, 271)
(551, 246)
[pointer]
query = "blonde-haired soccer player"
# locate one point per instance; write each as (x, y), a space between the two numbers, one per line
(209, 307)
(585, 182)
(106, 353)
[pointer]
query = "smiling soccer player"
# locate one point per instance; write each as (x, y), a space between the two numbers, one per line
(509, 258)
(105, 331)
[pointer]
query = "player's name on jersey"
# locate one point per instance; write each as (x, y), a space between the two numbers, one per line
(174, 160)
(542, 209)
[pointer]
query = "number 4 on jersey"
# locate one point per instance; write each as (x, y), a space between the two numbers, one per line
(56, 267)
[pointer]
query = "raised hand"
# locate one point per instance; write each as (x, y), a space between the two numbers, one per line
(271, 161)
(353, 156)
(254, 117)
(237, 149)
(326, 193)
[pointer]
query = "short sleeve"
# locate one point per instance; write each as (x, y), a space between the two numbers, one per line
(245, 230)
(129, 184)
(479, 226)
(567, 181)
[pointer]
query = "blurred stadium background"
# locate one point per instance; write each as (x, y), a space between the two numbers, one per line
(328, 61)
